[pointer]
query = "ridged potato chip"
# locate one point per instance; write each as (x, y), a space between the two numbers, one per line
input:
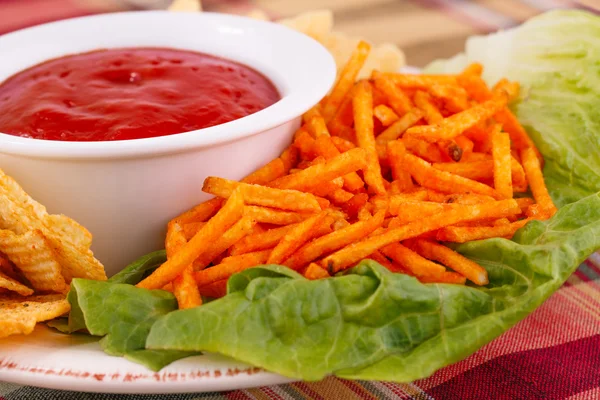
(33, 255)
(68, 240)
(8, 283)
(18, 315)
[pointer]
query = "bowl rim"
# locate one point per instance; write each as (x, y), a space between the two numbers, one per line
(299, 99)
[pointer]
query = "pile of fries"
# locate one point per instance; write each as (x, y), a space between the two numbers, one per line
(387, 168)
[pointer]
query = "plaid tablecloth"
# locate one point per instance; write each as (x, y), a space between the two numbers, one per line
(552, 354)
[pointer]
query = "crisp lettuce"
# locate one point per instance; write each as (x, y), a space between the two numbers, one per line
(122, 314)
(370, 323)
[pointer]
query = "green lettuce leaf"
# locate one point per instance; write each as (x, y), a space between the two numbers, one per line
(122, 314)
(372, 324)
(555, 58)
(139, 269)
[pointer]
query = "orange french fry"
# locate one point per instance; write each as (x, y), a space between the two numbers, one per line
(518, 176)
(435, 196)
(334, 241)
(314, 112)
(430, 111)
(510, 88)
(315, 271)
(484, 170)
(295, 238)
(518, 135)
(468, 198)
(273, 170)
(456, 124)
(533, 171)
(260, 241)
(474, 170)
(379, 203)
(385, 115)
(414, 210)
(228, 215)
(378, 257)
(430, 152)
(455, 98)
(350, 255)
(325, 147)
(268, 239)
(346, 80)
(214, 290)
(413, 262)
(200, 213)
(396, 130)
(443, 181)
(289, 157)
(478, 90)
(502, 164)
(421, 81)
(395, 154)
(273, 216)
(473, 69)
(450, 149)
(186, 290)
(329, 187)
(233, 235)
(343, 118)
(339, 224)
(305, 144)
(309, 163)
(175, 238)
(446, 277)
(362, 104)
(484, 145)
(475, 86)
(340, 196)
(524, 203)
(451, 259)
(501, 222)
(462, 234)
(291, 200)
(465, 143)
(184, 287)
(311, 177)
(316, 127)
(418, 194)
(352, 206)
(342, 145)
(230, 266)
(364, 213)
(397, 99)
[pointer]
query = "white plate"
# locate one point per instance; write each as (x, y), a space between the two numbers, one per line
(76, 362)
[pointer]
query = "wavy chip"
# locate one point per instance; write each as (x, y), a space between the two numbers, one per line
(18, 315)
(8, 283)
(33, 255)
(69, 241)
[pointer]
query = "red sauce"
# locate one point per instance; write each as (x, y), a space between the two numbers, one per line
(129, 94)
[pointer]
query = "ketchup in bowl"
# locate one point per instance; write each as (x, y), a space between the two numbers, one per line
(133, 93)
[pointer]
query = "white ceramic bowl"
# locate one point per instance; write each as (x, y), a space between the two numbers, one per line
(124, 192)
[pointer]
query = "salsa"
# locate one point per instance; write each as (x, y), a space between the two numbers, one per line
(131, 93)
